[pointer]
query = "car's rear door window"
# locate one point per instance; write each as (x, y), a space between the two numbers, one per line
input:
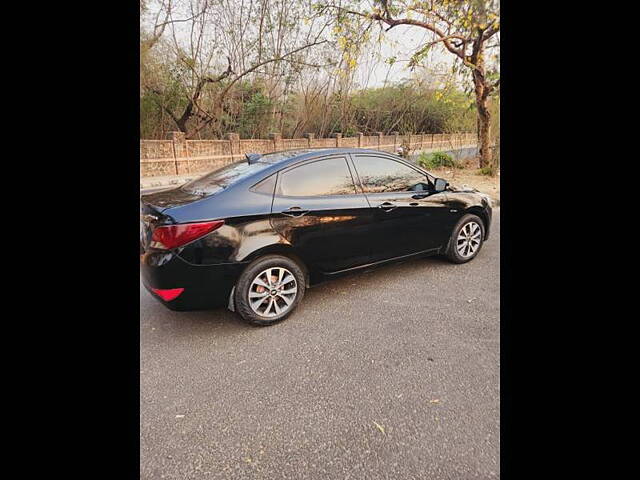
(379, 175)
(320, 178)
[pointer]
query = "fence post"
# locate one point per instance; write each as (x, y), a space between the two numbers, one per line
(360, 135)
(178, 141)
(338, 137)
(234, 144)
(309, 137)
(380, 139)
(277, 138)
(187, 154)
(395, 141)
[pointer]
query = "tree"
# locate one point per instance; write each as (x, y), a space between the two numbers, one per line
(465, 28)
(213, 46)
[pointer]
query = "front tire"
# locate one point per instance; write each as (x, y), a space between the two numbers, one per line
(269, 290)
(466, 239)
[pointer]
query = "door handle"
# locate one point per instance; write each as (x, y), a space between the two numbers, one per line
(294, 212)
(387, 206)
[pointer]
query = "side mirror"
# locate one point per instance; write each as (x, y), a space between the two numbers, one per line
(440, 185)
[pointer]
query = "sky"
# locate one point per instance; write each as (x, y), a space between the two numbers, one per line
(400, 42)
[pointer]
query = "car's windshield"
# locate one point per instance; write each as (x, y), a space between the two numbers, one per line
(223, 177)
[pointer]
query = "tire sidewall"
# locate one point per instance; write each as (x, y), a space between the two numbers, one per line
(248, 275)
(452, 251)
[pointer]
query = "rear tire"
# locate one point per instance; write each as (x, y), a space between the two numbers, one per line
(466, 239)
(269, 290)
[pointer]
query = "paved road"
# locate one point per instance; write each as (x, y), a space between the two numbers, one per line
(392, 374)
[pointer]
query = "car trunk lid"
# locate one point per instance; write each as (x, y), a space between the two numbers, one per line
(165, 199)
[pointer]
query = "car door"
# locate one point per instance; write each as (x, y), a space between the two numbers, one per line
(408, 216)
(318, 210)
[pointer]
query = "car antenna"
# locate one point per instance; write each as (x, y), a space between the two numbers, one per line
(253, 157)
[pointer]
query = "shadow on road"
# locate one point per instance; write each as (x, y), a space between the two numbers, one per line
(379, 276)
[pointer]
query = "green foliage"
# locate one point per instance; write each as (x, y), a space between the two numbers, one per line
(436, 160)
(350, 131)
(254, 117)
(407, 108)
(419, 56)
(250, 110)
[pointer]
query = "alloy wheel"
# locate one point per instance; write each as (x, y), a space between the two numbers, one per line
(468, 241)
(272, 292)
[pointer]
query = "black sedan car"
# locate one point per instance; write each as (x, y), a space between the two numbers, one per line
(255, 234)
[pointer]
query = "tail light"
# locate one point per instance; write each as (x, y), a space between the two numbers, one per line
(168, 237)
(168, 295)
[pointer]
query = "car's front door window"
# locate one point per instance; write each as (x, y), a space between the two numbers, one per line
(380, 175)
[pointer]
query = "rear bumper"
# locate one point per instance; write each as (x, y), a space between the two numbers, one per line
(205, 286)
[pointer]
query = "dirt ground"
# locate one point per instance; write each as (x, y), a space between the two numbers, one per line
(459, 177)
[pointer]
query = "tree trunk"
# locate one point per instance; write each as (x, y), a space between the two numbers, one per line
(181, 123)
(484, 128)
(484, 119)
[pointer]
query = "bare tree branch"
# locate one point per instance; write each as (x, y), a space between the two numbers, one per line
(222, 95)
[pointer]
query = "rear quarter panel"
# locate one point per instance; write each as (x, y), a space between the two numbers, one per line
(247, 226)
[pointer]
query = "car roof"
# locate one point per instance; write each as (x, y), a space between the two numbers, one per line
(277, 161)
(284, 157)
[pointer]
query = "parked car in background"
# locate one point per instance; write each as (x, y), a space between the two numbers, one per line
(254, 235)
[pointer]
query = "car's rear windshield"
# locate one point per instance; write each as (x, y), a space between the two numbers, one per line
(220, 179)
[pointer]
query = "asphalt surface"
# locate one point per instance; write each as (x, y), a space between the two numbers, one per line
(389, 374)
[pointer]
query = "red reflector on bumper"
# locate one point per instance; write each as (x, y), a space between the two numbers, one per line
(168, 295)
